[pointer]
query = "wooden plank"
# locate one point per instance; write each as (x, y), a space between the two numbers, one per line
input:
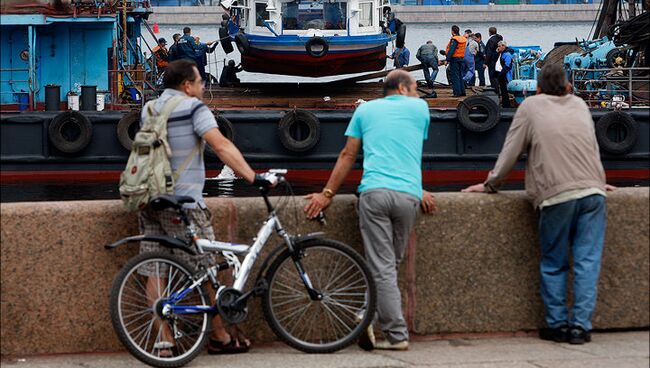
(312, 96)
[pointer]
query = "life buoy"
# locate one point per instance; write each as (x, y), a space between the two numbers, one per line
(299, 130)
(478, 113)
(70, 132)
(226, 128)
(401, 36)
(128, 125)
(617, 132)
(317, 47)
(242, 43)
(226, 42)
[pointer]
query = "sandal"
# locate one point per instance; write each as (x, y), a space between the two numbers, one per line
(216, 347)
(164, 349)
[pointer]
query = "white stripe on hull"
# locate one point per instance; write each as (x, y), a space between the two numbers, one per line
(332, 48)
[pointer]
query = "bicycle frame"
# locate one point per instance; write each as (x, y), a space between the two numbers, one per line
(243, 269)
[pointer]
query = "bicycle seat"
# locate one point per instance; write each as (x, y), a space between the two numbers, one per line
(161, 202)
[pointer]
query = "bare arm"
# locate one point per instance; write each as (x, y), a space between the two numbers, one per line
(229, 154)
(347, 157)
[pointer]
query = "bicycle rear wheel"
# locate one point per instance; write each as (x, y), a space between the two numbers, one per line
(137, 300)
(348, 297)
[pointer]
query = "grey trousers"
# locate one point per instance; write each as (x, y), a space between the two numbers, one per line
(386, 218)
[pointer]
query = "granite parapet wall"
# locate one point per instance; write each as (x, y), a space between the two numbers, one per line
(471, 267)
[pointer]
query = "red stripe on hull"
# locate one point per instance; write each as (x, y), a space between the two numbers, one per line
(305, 65)
(430, 177)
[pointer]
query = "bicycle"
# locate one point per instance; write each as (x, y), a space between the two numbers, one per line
(317, 294)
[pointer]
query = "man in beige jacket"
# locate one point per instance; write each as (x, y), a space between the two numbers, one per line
(566, 180)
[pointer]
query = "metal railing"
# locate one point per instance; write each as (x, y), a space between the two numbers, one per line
(598, 86)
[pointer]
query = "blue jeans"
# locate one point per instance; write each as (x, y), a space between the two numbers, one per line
(430, 76)
(481, 71)
(456, 69)
(578, 225)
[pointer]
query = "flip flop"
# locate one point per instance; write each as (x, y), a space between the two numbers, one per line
(164, 349)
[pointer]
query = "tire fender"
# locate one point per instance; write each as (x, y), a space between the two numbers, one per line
(480, 104)
(317, 41)
(299, 119)
(226, 41)
(401, 36)
(242, 43)
(628, 125)
(127, 127)
(70, 131)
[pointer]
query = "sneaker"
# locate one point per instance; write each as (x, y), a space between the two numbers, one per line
(367, 339)
(558, 334)
(578, 335)
(386, 345)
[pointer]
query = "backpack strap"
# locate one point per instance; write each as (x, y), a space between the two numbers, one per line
(167, 110)
(187, 160)
(163, 115)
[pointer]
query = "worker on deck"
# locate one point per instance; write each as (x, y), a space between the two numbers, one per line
(479, 59)
(201, 57)
(401, 57)
(229, 74)
(186, 47)
(173, 49)
(471, 50)
(161, 54)
(391, 21)
(503, 70)
(455, 53)
(492, 56)
(428, 55)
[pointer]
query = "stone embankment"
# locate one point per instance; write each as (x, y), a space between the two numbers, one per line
(211, 15)
(470, 268)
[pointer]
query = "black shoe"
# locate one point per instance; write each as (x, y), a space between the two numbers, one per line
(578, 335)
(367, 339)
(558, 334)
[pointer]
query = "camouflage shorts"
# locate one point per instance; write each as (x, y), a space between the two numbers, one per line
(168, 222)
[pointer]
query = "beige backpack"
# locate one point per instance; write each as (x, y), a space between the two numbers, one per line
(148, 171)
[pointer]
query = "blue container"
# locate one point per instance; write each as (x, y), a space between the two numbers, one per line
(135, 94)
(23, 101)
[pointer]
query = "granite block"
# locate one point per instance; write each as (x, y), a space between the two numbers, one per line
(471, 267)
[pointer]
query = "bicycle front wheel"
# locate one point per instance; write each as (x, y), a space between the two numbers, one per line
(347, 306)
(140, 310)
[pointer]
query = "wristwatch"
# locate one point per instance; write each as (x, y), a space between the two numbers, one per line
(328, 193)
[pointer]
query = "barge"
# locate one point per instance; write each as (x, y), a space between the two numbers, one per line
(288, 125)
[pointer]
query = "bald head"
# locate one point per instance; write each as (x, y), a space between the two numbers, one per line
(400, 82)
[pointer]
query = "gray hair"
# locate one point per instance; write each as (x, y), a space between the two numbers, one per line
(502, 43)
(552, 80)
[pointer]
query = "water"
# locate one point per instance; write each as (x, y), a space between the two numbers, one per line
(517, 34)
(213, 188)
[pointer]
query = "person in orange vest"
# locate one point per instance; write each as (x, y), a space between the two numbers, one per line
(455, 60)
(162, 55)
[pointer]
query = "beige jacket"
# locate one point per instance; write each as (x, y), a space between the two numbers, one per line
(557, 133)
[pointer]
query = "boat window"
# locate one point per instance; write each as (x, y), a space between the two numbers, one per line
(365, 16)
(299, 14)
(261, 14)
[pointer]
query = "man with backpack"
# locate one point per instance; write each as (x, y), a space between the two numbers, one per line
(167, 158)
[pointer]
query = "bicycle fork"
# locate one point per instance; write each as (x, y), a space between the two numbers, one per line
(296, 256)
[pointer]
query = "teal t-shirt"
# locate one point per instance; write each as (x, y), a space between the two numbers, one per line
(392, 131)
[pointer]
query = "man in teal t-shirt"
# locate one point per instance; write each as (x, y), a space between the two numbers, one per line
(392, 131)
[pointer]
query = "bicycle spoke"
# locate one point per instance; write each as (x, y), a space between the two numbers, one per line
(149, 329)
(140, 322)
